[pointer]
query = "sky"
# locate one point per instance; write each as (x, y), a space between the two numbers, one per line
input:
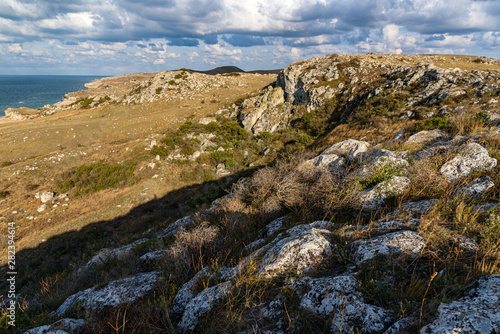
(110, 37)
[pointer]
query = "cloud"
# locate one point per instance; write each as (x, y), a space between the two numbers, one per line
(216, 31)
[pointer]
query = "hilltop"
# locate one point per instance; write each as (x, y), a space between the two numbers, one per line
(349, 193)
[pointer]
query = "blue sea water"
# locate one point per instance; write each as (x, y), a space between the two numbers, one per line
(35, 91)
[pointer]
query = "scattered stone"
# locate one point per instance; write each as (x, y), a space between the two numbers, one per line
(153, 256)
(408, 242)
(424, 137)
(415, 209)
(63, 326)
(374, 198)
(473, 157)
(467, 244)
(392, 225)
(207, 120)
(221, 170)
(398, 136)
(332, 162)
(350, 148)
(44, 196)
(108, 255)
(41, 208)
(115, 293)
(178, 225)
(478, 312)
(477, 188)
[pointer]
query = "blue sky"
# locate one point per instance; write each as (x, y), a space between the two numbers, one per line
(108, 37)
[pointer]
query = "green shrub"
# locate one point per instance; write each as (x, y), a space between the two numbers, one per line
(239, 101)
(481, 116)
(158, 90)
(305, 139)
(85, 103)
(441, 123)
(98, 176)
(4, 193)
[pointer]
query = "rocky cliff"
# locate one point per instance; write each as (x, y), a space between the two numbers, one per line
(378, 211)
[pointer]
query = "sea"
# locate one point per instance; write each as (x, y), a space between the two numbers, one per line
(35, 91)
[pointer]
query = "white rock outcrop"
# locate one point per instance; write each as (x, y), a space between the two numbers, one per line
(349, 148)
(306, 246)
(125, 290)
(63, 326)
(374, 198)
(478, 312)
(202, 304)
(408, 242)
(472, 157)
(477, 188)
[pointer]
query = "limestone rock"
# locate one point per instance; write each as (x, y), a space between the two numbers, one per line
(408, 242)
(264, 112)
(375, 197)
(332, 162)
(274, 226)
(392, 225)
(298, 253)
(207, 120)
(45, 196)
(107, 255)
(178, 225)
(415, 209)
(350, 148)
(423, 137)
(478, 312)
(115, 293)
(41, 208)
(477, 188)
(202, 304)
(472, 157)
(63, 326)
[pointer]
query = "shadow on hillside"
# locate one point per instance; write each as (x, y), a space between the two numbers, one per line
(69, 250)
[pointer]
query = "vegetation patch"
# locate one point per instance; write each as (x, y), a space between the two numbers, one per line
(99, 176)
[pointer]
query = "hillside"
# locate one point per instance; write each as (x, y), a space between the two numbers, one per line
(347, 194)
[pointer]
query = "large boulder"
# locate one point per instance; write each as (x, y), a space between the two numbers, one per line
(478, 312)
(472, 157)
(115, 293)
(332, 162)
(306, 246)
(349, 148)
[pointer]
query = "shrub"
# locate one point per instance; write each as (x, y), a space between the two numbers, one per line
(441, 123)
(99, 176)
(158, 90)
(4, 193)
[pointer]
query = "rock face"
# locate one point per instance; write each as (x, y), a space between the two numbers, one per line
(408, 242)
(63, 326)
(472, 157)
(115, 293)
(478, 312)
(264, 112)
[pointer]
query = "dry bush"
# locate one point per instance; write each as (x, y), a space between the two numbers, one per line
(426, 181)
(192, 249)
